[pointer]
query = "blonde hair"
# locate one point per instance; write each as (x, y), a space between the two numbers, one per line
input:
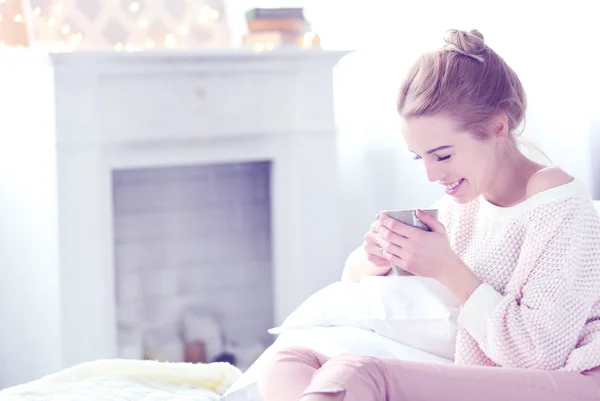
(466, 81)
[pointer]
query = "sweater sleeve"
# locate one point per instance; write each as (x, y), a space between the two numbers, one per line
(537, 322)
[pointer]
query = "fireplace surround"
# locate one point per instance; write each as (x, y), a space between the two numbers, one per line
(172, 116)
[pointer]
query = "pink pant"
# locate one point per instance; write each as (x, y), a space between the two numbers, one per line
(292, 373)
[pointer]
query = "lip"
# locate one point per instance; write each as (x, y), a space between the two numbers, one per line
(455, 189)
(450, 182)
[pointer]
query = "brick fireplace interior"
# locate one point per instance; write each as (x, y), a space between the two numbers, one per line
(193, 261)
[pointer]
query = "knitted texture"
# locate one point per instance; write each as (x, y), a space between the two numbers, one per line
(543, 256)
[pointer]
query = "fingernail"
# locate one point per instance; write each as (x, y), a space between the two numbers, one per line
(377, 216)
(421, 212)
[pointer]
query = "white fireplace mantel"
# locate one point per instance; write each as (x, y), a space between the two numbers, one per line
(74, 118)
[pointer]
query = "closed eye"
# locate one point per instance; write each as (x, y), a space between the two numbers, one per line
(439, 159)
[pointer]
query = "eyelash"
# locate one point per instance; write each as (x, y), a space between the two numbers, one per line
(440, 159)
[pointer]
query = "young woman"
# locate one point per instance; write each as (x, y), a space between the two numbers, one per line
(517, 243)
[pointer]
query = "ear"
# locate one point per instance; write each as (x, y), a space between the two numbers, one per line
(499, 126)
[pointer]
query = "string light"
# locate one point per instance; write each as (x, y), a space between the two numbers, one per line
(52, 29)
(208, 14)
(170, 41)
(134, 7)
(308, 39)
(143, 23)
(76, 38)
(183, 30)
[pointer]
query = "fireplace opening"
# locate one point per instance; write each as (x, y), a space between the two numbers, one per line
(193, 264)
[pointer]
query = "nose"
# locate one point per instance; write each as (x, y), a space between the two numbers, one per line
(434, 171)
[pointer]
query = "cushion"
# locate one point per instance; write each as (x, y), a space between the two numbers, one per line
(405, 317)
(412, 310)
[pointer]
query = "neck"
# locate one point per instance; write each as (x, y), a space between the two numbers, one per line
(510, 184)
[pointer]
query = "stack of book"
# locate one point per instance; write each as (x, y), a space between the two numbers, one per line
(270, 28)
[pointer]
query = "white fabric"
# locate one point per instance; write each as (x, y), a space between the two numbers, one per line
(129, 380)
(113, 389)
(329, 341)
(475, 312)
(412, 310)
(406, 317)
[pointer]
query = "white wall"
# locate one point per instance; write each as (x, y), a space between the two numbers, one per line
(28, 259)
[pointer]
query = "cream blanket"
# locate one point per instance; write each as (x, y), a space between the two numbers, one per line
(125, 380)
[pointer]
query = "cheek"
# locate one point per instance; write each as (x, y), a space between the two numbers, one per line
(473, 162)
(482, 164)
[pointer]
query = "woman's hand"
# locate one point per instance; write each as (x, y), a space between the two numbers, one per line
(367, 259)
(373, 249)
(425, 253)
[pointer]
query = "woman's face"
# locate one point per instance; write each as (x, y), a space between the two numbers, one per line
(464, 164)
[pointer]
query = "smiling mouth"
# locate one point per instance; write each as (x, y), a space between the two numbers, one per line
(454, 184)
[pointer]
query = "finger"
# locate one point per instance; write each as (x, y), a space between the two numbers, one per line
(390, 248)
(373, 248)
(375, 226)
(395, 260)
(433, 223)
(398, 227)
(371, 237)
(390, 236)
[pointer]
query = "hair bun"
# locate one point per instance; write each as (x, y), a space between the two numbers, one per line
(470, 43)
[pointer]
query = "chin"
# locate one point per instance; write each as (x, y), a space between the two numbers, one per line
(464, 195)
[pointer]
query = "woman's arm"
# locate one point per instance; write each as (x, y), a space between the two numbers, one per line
(538, 321)
(358, 266)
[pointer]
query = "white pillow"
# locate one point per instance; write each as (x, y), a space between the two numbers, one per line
(412, 310)
(405, 317)
(329, 341)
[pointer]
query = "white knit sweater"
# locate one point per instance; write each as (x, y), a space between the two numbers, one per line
(539, 306)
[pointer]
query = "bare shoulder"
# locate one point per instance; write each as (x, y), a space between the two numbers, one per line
(547, 178)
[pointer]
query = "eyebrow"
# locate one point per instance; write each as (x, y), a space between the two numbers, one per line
(439, 148)
(435, 149)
